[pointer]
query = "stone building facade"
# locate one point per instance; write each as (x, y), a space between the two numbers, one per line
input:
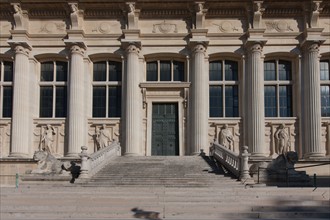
(164, 77)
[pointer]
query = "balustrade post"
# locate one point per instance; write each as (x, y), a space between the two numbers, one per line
(244, 172)
(85, 166)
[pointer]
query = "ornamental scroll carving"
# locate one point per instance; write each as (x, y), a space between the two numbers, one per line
(279, 26)
(22, 50)
(76, 49)
(165, 28)
(226, 27)
(52, 27)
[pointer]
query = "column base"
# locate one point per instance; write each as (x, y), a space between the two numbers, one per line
(18, 155)
(259, 155)
(314, 155)
(131, 154)
(72, 155)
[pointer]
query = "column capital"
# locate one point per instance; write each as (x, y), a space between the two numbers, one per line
(76, 47)
(311, 46)
(254, 46)
(132, 47)
(20, 47)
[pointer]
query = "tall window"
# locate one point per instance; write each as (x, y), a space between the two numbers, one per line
(278, 88)
(6, 88)
(223, 90)
(53, 89)
(107, 89)
(325, 88)
(165, 70)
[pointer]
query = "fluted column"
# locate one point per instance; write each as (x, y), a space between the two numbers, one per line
(255, 101)
(312, 102)
(199, 101)
(21, 102)
(76, 117)
(132, 102)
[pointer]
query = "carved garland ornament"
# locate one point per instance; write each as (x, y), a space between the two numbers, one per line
(165, 28)
(52, 27)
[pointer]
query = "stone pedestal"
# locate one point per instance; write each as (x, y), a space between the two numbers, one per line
(199, 101)
(76, 117)
(133, 101)
(255, 101)
(21, 102)
(312, 102)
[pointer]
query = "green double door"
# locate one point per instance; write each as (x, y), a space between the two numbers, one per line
(165, 139)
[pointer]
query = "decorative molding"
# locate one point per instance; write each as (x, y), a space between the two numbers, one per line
(51, 27)
(54, 13)
(282, 11)
(226, 26)
(279, 26)
(104, 28)
(104, 13)
(165, 28)
(165, 13)
(234, 12)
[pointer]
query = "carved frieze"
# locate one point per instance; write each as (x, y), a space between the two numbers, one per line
(226, 27)
(279, 26)
(52, 27)
(165, 28)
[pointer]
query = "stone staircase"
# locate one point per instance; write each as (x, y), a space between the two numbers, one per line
(159, 188)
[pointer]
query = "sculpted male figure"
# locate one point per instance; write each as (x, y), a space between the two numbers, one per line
(48, 138)
(282, 138)
(103, 137)
(226, 137)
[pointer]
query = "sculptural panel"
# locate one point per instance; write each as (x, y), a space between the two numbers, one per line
(167, 26)
(103, 27)
(225, 25)
(4, 139)
(281, 26)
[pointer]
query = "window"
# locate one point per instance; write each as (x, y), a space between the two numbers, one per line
(223, 89)
(325, 88)
(165, 70)
(107, 89)
(6, 88)
(278, 88)
(53, 89)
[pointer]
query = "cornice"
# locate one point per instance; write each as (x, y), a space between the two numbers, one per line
(231, 12)
(152, 13)
(103, 13)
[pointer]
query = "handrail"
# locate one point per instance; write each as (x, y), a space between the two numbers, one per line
(236, 163)
(91, 164)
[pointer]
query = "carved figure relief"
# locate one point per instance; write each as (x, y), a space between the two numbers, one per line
(48, 139)
(165, 28)
(104, 28)
(282, 139)
(226, 137)
(52, 27)
(279, 26)
(102, 137)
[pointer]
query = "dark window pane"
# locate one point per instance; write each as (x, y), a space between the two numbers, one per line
(152, 71)
(99, 101)
(324, 70)
(61, 71)
(7, 103)
(61, 101)
(270, 101)
(178, 71)
(216, 106)
(114, 101)
(8, 71)
(231, 71)
(231, 101)
(47, 71)
(165, 70)
(285, 93)
(215, 69)
(46, 101)
(325, 101)
(115, 71)
(99, 71)
(270, 70)
(284, 70)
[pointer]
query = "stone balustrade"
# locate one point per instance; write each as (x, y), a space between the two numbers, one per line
(91, 164)
(236, 163)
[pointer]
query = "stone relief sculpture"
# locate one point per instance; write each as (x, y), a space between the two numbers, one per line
(102, 137)
(47, 164)
(226, 137)
(282, 140)
(48, 139)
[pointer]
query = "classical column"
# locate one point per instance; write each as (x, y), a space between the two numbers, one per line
(132, 102)
(21, 109)
(199, 101)
(312, 102)
(76, 117)
(255, 101)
